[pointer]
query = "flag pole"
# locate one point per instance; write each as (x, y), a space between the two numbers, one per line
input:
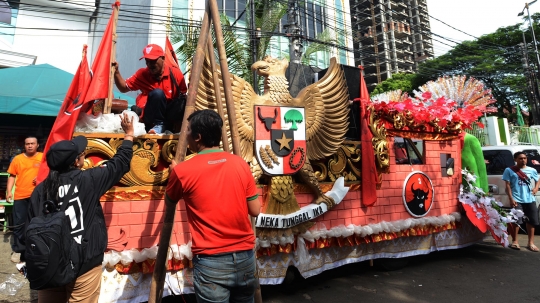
(108, 102)
(158, 276)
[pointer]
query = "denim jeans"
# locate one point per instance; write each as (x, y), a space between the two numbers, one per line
(225, 277)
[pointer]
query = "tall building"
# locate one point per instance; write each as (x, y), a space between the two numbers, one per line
(390, 37)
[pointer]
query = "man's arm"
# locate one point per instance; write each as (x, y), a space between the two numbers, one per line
(534, 176)
(508, 190)
(9, 191)
(254, 206)
(119, 80)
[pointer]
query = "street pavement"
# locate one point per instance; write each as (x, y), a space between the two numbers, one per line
(485, 272)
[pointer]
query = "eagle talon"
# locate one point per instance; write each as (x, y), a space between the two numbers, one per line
(326, 200)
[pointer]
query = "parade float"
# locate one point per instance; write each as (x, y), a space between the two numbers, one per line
(395, 191)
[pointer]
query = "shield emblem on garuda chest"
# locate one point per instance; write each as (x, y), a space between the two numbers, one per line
(280, 139)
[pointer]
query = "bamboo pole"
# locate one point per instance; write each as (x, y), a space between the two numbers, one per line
(227, 86)
(108, 102)
(195, 75)
(219, 102)
(233, 127)
(158, 276)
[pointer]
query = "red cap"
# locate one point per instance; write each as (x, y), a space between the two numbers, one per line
(152, 52)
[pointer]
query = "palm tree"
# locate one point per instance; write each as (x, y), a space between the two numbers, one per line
(268, 13)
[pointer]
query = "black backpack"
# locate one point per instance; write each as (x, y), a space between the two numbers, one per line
(52, 255)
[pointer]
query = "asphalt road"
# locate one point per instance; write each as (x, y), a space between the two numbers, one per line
(484, 272)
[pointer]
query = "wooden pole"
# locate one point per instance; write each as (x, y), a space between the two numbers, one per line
(227, 86)
(108, 102)
(195, 75)
(158, 276)
(219, 102)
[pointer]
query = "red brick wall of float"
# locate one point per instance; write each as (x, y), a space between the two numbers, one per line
(141, 219)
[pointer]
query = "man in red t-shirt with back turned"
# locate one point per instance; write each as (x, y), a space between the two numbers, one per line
(219, 192)
(162, 89)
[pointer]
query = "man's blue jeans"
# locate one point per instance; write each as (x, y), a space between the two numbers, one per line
(226, 277)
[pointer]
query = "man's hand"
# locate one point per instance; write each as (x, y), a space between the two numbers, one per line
(126, 122)
(513, 203)
(173, 164)
(118, 79)
(9, 197)
(534, 191)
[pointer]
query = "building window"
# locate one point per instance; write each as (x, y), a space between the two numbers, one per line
(5, 12)
(408, 151)
(8, 19)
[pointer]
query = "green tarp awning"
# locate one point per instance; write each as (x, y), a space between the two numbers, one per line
(36, 90)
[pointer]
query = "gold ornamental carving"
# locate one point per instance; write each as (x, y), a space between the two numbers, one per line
(344, 163)
(380, 144)
(147, 155)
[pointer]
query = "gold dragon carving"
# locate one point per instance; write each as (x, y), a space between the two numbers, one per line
(326, 112)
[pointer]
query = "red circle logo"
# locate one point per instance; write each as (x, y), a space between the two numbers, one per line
(418, 194)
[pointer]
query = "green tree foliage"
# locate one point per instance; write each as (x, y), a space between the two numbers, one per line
(268, 13)
(405, 82)
(495, 59)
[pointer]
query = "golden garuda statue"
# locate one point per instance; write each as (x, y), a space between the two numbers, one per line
(279, 134)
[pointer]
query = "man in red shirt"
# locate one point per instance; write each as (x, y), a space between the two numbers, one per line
(162, 89)
(219, 192)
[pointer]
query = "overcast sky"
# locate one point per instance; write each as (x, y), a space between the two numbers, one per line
(475, 17)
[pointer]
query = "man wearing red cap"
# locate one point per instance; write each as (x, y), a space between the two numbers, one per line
(162, 89)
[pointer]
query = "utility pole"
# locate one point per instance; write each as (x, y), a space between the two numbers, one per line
(254, 46)
(532, 91)
(294, 32)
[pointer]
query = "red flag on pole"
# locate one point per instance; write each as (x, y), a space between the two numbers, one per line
(69, 112)
(101, 68)
(85, 88)
(171, 60)
(369, 171)
(170, 55)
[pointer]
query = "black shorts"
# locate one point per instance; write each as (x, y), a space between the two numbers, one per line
(531, 212)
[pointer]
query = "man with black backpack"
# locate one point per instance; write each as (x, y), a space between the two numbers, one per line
(163, 89)
(521, 194)
(66, 235)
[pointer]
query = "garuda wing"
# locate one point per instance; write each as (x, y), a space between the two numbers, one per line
(326, 105)
(243, 96)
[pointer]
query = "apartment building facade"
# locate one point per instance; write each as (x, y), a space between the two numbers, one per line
(390, 37)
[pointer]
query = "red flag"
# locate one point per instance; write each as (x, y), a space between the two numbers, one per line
(69, 112)
(170, 55)
(369, 171)
(101, 68)
(171, 60)
(85, 88)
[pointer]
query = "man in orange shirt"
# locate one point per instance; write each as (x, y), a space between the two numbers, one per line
(219, 192)
(162, 89)
(22, 171)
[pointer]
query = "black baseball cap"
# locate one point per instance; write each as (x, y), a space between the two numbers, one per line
(63, 153)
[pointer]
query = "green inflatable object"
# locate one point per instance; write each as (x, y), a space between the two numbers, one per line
(472, 158)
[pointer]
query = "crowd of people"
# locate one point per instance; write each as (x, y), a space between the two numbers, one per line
(222, 235)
